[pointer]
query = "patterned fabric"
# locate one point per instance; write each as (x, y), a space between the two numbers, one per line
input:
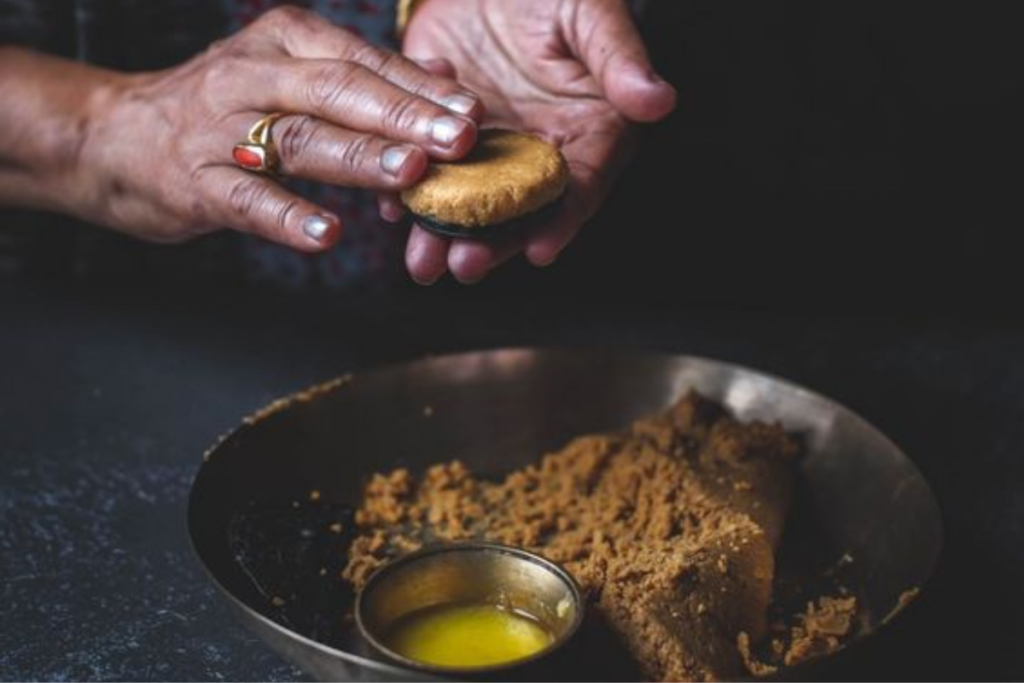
(129, 35)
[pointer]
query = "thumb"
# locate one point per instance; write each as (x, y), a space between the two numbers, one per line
(614, 53)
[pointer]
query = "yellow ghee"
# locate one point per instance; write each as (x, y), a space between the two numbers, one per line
(466, 635)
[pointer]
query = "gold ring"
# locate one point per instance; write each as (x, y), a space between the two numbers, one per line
(257, 152)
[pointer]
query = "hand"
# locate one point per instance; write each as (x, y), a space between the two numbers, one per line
(157, 159)
(574, 71)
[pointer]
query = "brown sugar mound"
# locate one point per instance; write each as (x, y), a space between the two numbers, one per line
(670, 528)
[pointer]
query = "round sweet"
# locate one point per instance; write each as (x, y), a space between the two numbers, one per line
(507, 176)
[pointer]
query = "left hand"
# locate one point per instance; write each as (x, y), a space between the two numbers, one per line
(575, 72)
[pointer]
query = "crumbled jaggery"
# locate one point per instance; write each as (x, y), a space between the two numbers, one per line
(670, 528)
(820, 629)
(754, 665)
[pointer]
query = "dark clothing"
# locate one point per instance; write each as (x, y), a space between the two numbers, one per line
(128, 35)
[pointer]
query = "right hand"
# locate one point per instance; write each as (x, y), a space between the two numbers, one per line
(156, 158)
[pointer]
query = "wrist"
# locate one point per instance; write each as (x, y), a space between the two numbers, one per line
(45, 127)
(91, 172)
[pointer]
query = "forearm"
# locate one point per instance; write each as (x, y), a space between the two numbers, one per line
(48, 104)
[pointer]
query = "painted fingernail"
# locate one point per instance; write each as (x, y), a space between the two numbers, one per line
(316, 227)
(460, 103)
(393, 158)
(447, 129)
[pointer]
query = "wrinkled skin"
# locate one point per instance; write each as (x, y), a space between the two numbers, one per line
(358, 116)
(574, 71)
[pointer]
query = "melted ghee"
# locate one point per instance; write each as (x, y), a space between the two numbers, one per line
(467, 635)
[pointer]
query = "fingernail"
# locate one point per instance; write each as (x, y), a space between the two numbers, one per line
(447, 129)
(656, 81)
(654, 78)
(393, 158)
(546, 263)
(460, 103)
(316, 227)
(432, 64)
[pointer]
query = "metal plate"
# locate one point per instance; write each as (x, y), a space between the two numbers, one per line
(858, 494)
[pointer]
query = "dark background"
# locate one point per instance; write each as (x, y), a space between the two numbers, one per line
(835, 201)
(862, 156)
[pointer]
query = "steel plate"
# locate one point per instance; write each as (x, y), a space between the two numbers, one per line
(858, 494)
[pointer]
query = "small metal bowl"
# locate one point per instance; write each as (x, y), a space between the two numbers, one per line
(485, 573)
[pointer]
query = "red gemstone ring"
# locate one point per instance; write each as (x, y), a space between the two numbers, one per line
(257, 152)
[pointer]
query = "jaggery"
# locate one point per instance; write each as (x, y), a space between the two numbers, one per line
(669, 527)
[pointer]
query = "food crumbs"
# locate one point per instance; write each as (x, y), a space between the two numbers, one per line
(906, 597)
(756, 667)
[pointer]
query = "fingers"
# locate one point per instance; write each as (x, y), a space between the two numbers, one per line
(316, 150)
(546, 244)
(307, 35)
(595, 161)
(470, 262)
(352, 96)
(255, 204)
(614, 52)
(438, 67)
(434, 80)
(390, 207)
(429, 256)
(426, 256)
